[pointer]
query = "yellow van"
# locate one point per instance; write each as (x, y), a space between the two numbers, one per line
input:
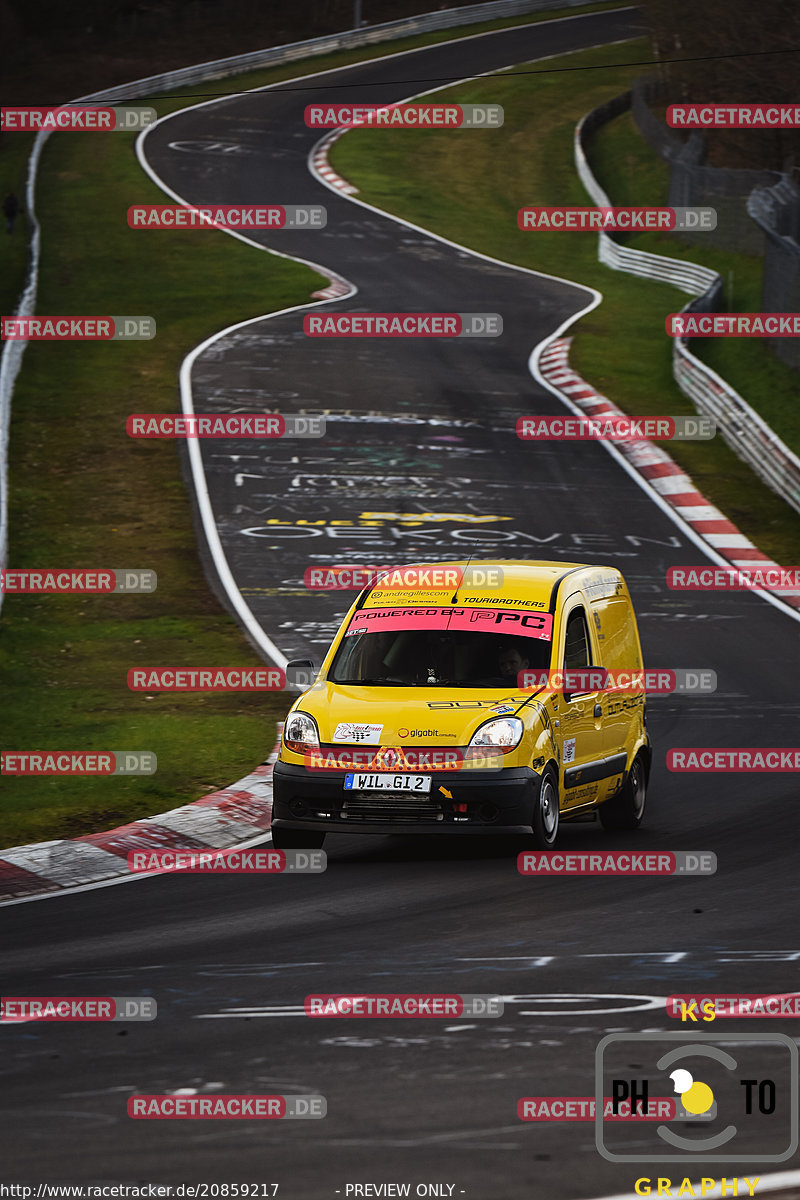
(470, 698)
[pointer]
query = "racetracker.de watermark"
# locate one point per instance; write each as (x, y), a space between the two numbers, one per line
(78, 762)
(404, 1004)
(398, 759)
(400, 324)
(353, 578)
(223, 425)
(749, 1004)
(76, 117)
(206, 679)
(734, 116)
(733, 324)
(226, 1108)
(615, 219)
(403, 116)
(54, 581)
(21, 1009)
(734, 579)
(719, 759)
(655, 681)
(231, 862)
(227, 216)
(617, 862)
(581, 1108)
(615, 427)
(77, 329)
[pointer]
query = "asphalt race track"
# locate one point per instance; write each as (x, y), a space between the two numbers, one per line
(417, 430)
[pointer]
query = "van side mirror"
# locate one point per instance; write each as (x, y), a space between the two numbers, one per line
(300, 672)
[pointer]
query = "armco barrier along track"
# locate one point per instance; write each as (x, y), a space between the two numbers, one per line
(740, 425)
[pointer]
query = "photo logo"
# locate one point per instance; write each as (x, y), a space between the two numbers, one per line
(696, 1097)
(743, 1087)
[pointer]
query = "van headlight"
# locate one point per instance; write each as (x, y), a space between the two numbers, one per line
(300, 732)
(503, 734)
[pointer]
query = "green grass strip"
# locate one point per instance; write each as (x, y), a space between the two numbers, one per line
(84, 494)
(468, 185)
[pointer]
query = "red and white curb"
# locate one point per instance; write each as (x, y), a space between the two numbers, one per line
(662, 473)
(336, 288)
(219, 821)
(319, 160)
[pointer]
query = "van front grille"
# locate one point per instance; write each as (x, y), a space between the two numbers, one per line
(383, 806)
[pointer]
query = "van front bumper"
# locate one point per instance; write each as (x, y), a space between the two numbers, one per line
(496, 802)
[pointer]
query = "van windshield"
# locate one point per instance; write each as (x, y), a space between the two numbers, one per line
(458, 647)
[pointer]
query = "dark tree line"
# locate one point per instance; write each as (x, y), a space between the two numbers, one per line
(746, 50)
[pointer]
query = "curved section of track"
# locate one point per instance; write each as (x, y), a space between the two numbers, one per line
(423, 454)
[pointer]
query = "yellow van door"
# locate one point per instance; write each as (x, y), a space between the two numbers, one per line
(580, 728)
(623, 711)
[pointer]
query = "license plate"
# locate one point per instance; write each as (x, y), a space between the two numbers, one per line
(387, 783)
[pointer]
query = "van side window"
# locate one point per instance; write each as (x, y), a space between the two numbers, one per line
(577, 652)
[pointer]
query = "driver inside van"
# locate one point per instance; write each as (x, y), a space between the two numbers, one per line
(511, 660)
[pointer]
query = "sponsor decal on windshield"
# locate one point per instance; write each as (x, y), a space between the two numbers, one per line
(489, 620)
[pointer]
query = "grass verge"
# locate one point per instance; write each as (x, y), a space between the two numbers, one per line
(449, 182)
(84, 494)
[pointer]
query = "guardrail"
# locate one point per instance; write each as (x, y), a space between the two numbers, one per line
(11, 359)
(747, 434)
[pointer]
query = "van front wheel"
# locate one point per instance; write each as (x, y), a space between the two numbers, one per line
(625, 811)
(544, 822)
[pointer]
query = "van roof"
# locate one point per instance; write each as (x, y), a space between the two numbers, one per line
(526, 582)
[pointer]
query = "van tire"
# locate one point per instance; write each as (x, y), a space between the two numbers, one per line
(544, 820)
(297, 839)
(626, 810)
